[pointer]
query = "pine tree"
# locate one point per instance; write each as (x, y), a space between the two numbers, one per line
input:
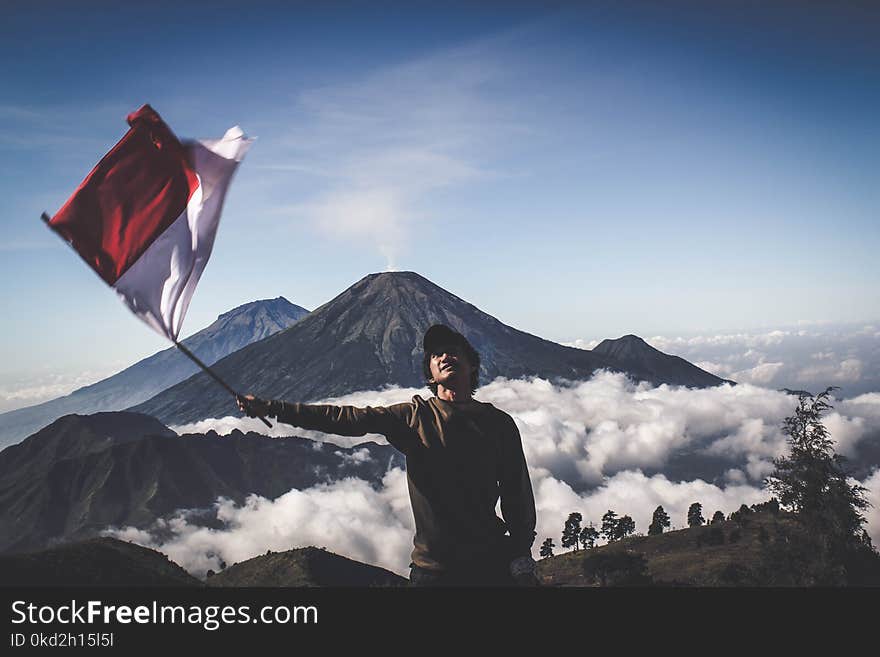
(547, 548)
(589, 535)
(625, 527)
(609, 525)
(658, 522)
(695, 515)
(718, 517)
(572, 532)
(812, 482)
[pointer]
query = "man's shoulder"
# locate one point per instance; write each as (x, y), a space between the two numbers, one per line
(473, 407)
(417, 401)
(501, 417)
(472, 404)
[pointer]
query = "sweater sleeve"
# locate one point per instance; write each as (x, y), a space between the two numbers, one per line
(517, 499)
(393, 422)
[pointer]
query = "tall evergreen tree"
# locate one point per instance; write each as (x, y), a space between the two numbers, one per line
(547, 548)
(695, 515)
(609, 526)
(812, 482)
(589, 535)
(625, 527)
(658, 522)
(718, 517)
(571, 533)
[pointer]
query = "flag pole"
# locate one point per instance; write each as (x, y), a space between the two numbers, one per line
(46, 219)
(213, 375)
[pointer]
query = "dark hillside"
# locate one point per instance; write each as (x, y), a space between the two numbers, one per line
(308, 566)
(95, 562)
(765, 549)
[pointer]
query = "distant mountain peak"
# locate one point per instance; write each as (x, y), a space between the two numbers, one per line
(634, 354)
(626, 348)
(396, 275)
(397, 281)
(279, 303)
(631, 339)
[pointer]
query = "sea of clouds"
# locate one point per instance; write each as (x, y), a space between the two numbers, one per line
(22, 389)
(591, 446)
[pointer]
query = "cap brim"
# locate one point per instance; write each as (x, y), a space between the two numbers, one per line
(440, 335)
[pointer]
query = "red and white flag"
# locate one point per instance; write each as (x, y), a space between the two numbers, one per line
(145, 218)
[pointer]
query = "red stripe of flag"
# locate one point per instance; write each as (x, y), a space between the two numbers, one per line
(133, 194)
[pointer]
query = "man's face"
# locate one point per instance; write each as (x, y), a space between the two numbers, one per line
(450, 367)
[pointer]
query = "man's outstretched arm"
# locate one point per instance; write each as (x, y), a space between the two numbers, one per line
(390, 421)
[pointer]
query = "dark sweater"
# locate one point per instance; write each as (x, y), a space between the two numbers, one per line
(460, 457)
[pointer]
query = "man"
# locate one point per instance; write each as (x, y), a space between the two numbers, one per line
(461, 456)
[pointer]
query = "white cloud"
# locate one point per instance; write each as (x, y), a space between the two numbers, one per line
(759, 374)
(867, 405)
(21, 390)
(846, 431)
(872, 514)
(846, 371)
(749, 340)
(348, 517)
(226, 425)
(590, 430)
(357, 457)
(374, 216)
(582, 344)
(718, 369)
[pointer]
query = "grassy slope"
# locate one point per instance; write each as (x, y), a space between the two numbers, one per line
(304, 567)
(677, 557)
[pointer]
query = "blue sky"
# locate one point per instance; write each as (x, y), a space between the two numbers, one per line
(579, 171)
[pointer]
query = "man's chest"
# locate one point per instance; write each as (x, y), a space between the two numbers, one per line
(461, 443)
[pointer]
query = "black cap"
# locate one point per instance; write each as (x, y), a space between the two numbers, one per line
(441, 335)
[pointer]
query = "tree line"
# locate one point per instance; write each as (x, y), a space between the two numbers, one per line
(614, 527)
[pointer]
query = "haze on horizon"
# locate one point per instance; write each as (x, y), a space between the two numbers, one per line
(579, 173)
